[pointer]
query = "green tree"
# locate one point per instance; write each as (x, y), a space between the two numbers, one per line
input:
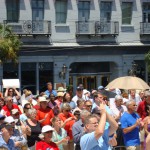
(147, 59)
(9, 45)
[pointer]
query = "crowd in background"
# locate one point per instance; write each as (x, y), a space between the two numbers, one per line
(88, 120)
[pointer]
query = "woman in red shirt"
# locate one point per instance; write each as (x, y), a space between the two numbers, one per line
(46, 142)
(68, 120)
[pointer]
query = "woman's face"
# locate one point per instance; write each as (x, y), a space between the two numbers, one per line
(57, 123)
(33, 115)
(10, 92)
(66, 111)
(67, 97)
(1, 103)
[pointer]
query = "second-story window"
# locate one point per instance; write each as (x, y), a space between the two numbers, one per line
(105, 11)
(84, 10)
(126, 13)
(146, 12)
(37, 10)
(61, 11)
(12, 10)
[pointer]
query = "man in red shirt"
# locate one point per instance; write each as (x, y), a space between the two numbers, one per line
(44, 114)
(46, 142)
(6, 110)
(142, 109)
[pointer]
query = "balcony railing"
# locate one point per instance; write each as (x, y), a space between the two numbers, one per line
(144, 28)
(30, 27)
(85, 28)
(104, 28)
(97, 28)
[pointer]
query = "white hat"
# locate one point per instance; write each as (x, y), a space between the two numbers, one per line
(47, 128)
(42, 99)
(14, 111)
(60, 94)
(85, 91)
(24, 102)
(61, 89)
(9, 119)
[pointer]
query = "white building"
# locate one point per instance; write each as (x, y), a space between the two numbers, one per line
(97, 40)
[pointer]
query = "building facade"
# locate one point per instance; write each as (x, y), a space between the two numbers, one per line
(76, 41)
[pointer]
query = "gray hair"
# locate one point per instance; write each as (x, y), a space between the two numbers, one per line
(65, 106)
(129, 102)
(84, 113)
(118, 97)
(32, 111)
(87, 119)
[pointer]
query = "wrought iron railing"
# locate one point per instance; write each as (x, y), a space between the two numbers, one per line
(85, 27)
(144, 28)
(30, 27)
(97, 28)
(102, 27)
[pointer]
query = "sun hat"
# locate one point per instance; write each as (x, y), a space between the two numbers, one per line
(60, 94)
(47, 128)
(100, 87)
(42, 99)
(61, 89)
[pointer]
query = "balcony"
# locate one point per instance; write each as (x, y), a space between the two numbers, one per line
(106, 28)
(30, 27)
(144, 28)
(85, 28)
(97, 28)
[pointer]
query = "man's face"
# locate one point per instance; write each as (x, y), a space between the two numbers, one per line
(88, 106)
(9, 101)
(132, 93)
(49, 87)
(133, 106)
(92, 125)
(79, 92)
(119, 102)
(99, 99)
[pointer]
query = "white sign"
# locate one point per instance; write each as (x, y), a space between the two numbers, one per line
(11, 83)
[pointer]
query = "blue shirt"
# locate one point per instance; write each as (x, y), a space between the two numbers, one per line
(89, 142)
(128, 120)
(47, 92)
(10, 145)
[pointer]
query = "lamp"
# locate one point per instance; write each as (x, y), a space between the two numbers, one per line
(133, 70)
(62, 74)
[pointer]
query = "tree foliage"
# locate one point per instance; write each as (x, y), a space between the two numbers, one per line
(9, 45)
(147, 59)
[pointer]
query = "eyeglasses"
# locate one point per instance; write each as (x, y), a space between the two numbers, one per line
(67, 110)
(94, 123)
(12, 122)
(88, 105)
(10, 91)
(134, 105)
(27, 108)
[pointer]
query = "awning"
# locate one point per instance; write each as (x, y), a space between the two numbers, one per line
(65, 44)
(131, 44)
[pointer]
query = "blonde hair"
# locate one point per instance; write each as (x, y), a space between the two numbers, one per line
(65, 106)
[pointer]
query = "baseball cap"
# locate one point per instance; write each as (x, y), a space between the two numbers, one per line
(79, 88)
(14, 111)
(47, 128)
(9, 119)
(100, 87)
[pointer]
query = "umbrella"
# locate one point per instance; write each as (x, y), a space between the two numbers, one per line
(128, 82)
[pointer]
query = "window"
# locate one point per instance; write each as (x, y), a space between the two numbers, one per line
(146, 12)
(37, 9)
(12, 10)
(105, 11)
(126, 12)
(61, 11)
(84, 10)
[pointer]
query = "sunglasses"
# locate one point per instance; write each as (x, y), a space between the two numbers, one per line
(67, 110)
(10, 91)
(88, 105)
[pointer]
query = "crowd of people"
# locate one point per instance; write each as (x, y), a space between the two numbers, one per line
(101, 119)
